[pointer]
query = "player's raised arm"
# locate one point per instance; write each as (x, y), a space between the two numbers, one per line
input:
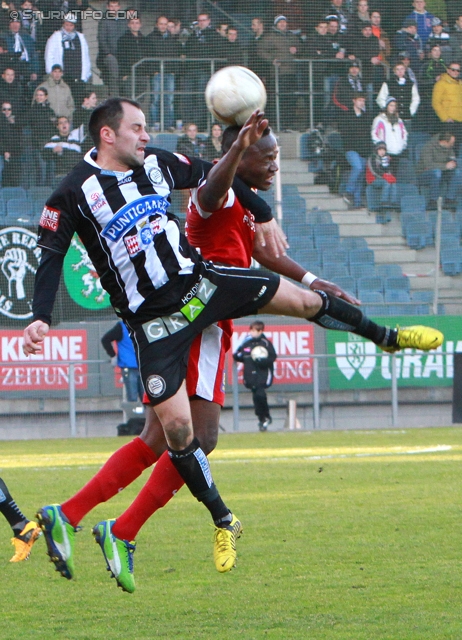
(220, 178)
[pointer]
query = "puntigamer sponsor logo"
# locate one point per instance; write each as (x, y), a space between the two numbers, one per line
(126, 218)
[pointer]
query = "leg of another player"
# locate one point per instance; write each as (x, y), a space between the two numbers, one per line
(334, 313)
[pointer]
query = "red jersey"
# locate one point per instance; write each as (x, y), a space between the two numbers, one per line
(226, 236)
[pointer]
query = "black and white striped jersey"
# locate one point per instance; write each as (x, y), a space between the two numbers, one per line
(132, 240)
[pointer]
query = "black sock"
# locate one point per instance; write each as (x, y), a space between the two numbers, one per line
(193, 466)
(16, 519)
(340, 315)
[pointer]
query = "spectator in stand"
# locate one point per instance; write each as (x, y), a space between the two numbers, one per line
(30, 22)
(422, 18)
(318, 45)
(125, 359)
(441, 37)
(59, 93)
(131, 47)
(63, 150)
(42, 122)
(456, 39)
(82, 118)
(447, 100)
(405, 58)
(404, 90)
(343, 15)
(212, 146)
(190, 144)
(109, 32)
(378, 173)
(11, 90)
(454, 11)
(437, 166)
(347, 86)
(354, 128)
(161, 44)
(294, 11)
(10, 145)
(362, 14)
(384, 41)
(407, 39)
(23, 47)
(280, 48)
(431, 71)
(69, 48)
(7, 59)
(204, 42)
(222, 29)
(232, 49)
(388, 127)
(367, 49)
(256, 63)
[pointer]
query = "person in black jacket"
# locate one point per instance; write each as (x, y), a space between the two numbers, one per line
(131, 47)
(258, 355)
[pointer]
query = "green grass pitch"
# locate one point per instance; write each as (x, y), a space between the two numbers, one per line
(347, 535)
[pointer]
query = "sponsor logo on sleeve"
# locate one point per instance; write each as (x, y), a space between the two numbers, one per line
(50, 218)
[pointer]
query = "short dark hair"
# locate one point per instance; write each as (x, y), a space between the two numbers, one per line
(42, 88)
(230, 135)
(108, 114)
(445, 136)
(258, 325)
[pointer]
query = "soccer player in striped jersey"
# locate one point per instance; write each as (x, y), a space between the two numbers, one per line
(167, 294)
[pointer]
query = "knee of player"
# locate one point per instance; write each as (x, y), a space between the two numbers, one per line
(179, 432)
(312, 303)
(208, 440)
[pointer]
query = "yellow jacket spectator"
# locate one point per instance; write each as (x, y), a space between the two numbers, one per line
(447, 95)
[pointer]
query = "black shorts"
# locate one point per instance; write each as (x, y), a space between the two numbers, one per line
(217, 293)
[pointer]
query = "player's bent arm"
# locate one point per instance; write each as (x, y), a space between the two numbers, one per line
(287, 267)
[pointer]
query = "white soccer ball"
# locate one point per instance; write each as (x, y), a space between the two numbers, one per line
(259, 353)
(234, 93)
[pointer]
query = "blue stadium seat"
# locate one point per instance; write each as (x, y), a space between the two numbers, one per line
(19, 208)
(10, 193)
(318, 216)
(373, 283)
(290, 190)
(388, 270)
(353, 243)
(326, 243)
(422, 295)
(451, 261)
(361, 256)
(400, 282)
(167, 141)
(418, 233)
(413, 204)
(397, 295)
(368, 297)
(379, 310)
(347, 283)
(362, 270)
(339, 256)
(334, 271)
(39, 193)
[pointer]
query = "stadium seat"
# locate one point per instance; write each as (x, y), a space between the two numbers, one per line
(368, 297)
(422, 295)
(397, 295)
(417, 139)
(401, 282)
(290, 190)
(374, 283)
(10, 193)
(298, 232)
(362, 270)
(39, 194)
(318, 216)
(19, 208)
(413, 204)
(388, 270)
(339, 256)
(167, 141)
(379, 310)
(361, 256)
(418, 234)
(334, 271)
(326, 243)
(353, 243)
(451, 261)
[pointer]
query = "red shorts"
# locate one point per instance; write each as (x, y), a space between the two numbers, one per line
(206, 363)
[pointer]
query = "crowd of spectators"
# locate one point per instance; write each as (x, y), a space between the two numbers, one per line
(396, 63)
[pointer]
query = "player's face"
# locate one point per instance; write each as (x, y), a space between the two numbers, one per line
(258, 165)
(131, 138)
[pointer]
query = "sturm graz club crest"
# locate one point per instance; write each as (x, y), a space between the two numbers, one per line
(355, 356)
(19, 260)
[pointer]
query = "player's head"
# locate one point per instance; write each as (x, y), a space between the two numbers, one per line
(258, 164)
(118, 129)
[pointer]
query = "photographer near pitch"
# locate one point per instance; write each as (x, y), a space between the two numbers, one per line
(258, 355)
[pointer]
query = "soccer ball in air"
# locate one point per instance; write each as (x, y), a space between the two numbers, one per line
(259, 353)
(233, 94)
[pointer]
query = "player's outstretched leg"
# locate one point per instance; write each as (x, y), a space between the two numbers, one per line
(59, 537)
(117, 553)
(224, 545)
(24, 540)
(416, 337)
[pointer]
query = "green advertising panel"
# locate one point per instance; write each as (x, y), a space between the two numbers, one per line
(82, 281)
(359, 364)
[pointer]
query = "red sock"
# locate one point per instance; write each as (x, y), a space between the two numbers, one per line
(122, 468)
(161, 486)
